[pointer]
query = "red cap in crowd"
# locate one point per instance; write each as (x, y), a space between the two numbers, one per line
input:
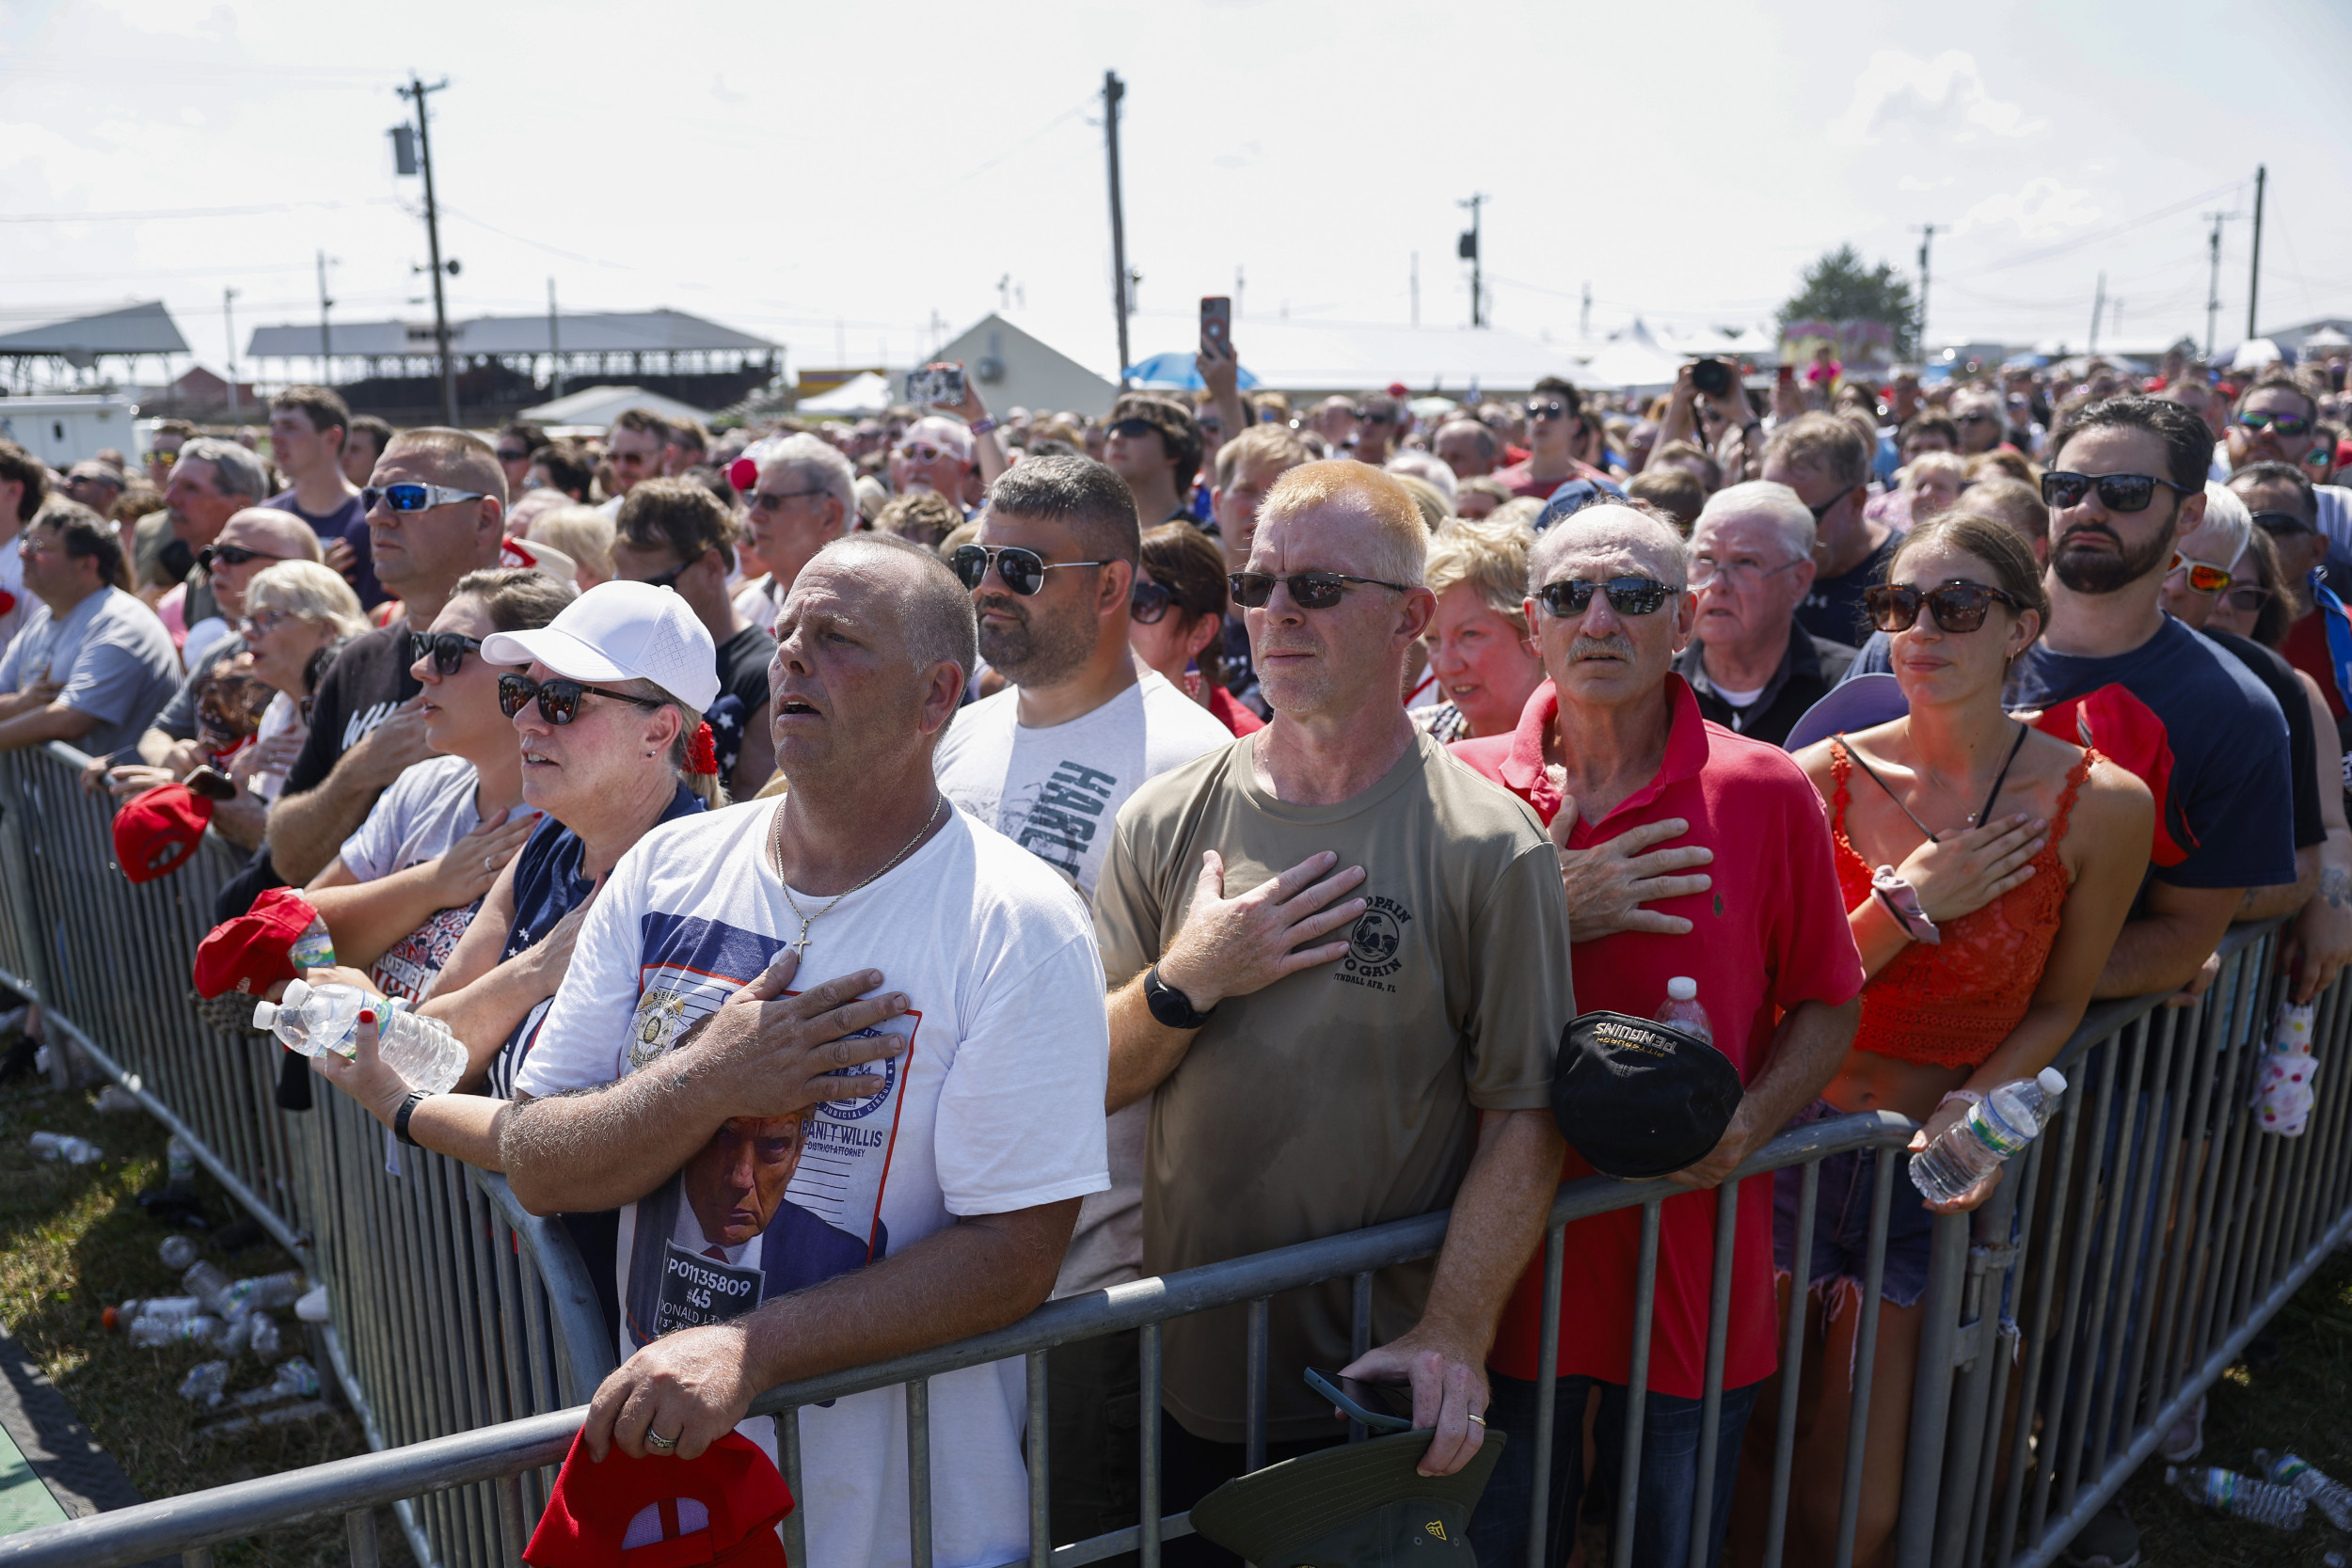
(721, 1507)
(253, 952)
(158, 830)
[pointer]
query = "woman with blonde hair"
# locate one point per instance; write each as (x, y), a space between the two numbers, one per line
(585, 534)
(1478, 641)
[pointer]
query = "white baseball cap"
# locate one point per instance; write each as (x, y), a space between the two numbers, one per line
(621, 631)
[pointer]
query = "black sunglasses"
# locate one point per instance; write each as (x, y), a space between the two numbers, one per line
(1131, 428)
(229, 555)
(1021, 570)
(559, 699)
(1148, 603)
(1958, 607)
(2282, 525)
(447, 649)
(512, 455)
(1573, 596)
(1547, 410)
(1308, 590)
(2117, 491)
(669, 578)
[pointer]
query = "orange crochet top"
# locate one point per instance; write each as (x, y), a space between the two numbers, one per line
(1952, 1004)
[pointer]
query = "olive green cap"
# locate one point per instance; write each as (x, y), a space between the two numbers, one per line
(1361, 1505)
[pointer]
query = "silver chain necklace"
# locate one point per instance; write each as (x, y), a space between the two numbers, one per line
(776, 847)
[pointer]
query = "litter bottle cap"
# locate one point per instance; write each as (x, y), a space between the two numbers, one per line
(1682, 988)
(2051, 1080)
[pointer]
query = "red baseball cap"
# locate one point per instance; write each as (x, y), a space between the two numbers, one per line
(253, 952)
(157, 831)
(721, 1507)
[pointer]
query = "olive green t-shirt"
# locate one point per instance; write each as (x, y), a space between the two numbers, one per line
(1345, 1095)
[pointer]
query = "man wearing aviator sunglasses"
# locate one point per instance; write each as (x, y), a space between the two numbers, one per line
(2124, 488)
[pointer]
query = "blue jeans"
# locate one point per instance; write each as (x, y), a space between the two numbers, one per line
(1670, 1471)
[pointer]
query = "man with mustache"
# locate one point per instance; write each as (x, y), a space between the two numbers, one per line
(2126, 483)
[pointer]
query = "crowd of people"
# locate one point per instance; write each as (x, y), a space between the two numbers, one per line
(886, 876)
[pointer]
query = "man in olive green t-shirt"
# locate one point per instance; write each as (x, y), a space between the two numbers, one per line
(1379, 943)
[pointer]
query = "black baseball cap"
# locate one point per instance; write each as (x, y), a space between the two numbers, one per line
(1638, 1099)
(1361, 1505)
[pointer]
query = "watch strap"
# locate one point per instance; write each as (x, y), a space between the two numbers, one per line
(1169, 1006)
(400, 1118)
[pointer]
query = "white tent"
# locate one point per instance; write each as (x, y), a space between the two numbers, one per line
(1633, 362)
(597, 407)
(2253, 353)
(863, 393)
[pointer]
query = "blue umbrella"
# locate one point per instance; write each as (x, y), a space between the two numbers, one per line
(1176, 373)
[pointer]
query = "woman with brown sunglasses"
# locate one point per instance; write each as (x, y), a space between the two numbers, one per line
(1987, 868)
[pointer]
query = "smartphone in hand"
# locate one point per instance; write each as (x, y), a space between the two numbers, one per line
(1216, 322)
(1381, 1406)
(936, 386)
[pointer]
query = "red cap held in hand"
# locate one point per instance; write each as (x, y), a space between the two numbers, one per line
(253, 952)
(157, 831)
(723, 1508)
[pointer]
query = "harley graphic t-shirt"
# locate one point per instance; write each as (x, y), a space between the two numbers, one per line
(995, 1106)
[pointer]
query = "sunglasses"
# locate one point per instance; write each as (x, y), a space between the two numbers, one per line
(446, 649)
(771, 500)
(2204, 576)
(559, 699)
(512, 455)
(1368, 417)
(1021, 570)
(1547, 410)
(1958, 607)
(2117, 491)
(1131, 428)
(253, 627)
(923, 452)
(1148, 605)
(2282, 525)
(229, 555)
(2283, 424)
(1572, 596)
(2249, 599)
(413, 497)
(1308, 590)
(629, 459)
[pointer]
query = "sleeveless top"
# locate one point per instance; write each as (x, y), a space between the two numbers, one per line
(1952, 1004)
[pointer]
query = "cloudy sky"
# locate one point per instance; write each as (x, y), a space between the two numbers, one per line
(840, 178)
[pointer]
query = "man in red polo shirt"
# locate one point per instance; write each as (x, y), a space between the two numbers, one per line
(1614, 742)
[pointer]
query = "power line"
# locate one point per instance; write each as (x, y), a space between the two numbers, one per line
(2050, 252)
(159, 214)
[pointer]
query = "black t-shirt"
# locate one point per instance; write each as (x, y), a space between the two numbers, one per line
(2302, 743)
(743, 660)
(367, 681)
(347, 522)
(1833, 605)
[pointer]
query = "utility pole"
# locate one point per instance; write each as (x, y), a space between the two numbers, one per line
(1416, 287)
(1468, 250)
(1584, 315)
(2213, 286)
(1113, 90)
(327, 340)
(2254, 273)
(229, 316)
(2098, 308)
(1927, 240)
(555, 348)
(415, 91)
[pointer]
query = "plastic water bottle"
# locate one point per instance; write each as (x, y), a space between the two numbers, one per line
(207, 1284)
(155, 1333)
(322, 1017)
(314, 948)
(326, 1017)
(421, 1049)
(58, 1146)
(2323, 1491)
(178, 1253)
(206, 1382)
(294, 1380)
(1973, 1147)
(2243, 1496)
(178, 1170)
(266, 1341)
(1682, 1010)
(162, 1308)
(267, 1291)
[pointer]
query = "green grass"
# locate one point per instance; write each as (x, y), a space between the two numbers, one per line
(72, 1241)
(2300, 1401)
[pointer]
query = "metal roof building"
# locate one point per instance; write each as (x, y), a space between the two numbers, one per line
(129, 334)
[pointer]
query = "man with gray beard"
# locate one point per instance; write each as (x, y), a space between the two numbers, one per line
(1048, 761)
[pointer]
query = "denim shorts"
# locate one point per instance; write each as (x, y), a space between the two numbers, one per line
(1841, 1220)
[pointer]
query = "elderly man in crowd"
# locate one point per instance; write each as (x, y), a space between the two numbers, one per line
(95, 484)
(1751, 664)
(955, 954)
(92, 663)
(1615, 744)
(1331, 913)
(935, 453)
(804, 498)
(212, 481)
(1467, 447)
(1827, 463)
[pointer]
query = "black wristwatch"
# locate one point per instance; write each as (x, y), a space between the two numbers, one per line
(1171, 1006)
(400, 1118)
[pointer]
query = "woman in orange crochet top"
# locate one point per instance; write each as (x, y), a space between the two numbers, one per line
(1987, 868)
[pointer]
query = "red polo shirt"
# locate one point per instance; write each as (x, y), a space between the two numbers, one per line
(1771, 933)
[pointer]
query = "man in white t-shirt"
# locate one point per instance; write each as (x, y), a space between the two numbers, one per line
(1049, 761)
(984, 1112)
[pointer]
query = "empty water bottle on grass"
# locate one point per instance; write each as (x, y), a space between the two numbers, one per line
(2243, 1496)
(206, 1382)
(155, 1333)
(2324, 1492)
(312, 1019)
(1975, 1146)
(177, 1252)
(207, 1284)
(163, 1308)
(57, 1145)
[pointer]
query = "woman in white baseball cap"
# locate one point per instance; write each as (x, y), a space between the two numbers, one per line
(607, 709)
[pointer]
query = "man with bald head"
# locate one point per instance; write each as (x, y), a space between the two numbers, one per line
(1305, 931)
(951, 1170)
(1614, 753)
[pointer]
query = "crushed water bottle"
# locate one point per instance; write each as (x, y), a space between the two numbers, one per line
(2321, 1490)
(57, 1145)
(163, 1333)
(207, 1284)
(1973, 1147)
(312, 1019)
(2243, 1496)
(205, 1382)
(1682, 1010)
(268, 1291)
(296, 1379)
(178, 1253)
(267, 1341)
(162, 1308)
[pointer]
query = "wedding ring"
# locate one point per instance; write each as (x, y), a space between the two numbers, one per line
(1476, 1416)
(489, 863)
(655, 1440)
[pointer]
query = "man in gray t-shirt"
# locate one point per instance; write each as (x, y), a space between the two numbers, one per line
(93, 665)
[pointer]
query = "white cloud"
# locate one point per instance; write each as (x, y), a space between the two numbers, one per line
(2041, 209)
(1942, 100)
